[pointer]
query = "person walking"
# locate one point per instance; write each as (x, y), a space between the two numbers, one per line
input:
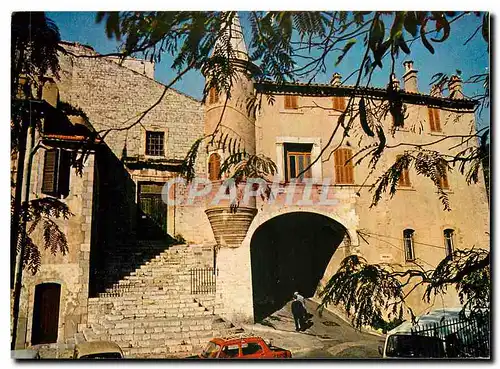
(298, 314)
(302, 300)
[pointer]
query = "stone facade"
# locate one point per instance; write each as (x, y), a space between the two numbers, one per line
(105, 199)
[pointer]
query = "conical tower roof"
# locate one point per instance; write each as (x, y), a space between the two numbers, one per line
(238, 46)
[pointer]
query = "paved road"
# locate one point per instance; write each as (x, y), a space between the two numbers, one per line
(328, 337)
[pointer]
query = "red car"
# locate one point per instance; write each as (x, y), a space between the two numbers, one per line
(238, 347)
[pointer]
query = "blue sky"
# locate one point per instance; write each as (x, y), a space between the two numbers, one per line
(451, 55)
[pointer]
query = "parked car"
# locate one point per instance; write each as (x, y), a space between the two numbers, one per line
(438, 334)
(97, 350)
(241, 347)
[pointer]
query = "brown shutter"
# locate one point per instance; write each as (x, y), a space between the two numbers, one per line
(437, 120)
(344, 171)
(431, 119)
(339, 103)
(50, 165)
(287, 102)
(214, 167)
(291, 102)
(444, 181)
(349, 168)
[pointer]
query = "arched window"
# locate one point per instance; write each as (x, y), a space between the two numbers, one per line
(408, 243)
(448, 241)
(214, 167)
(213, 96)
(344, 169)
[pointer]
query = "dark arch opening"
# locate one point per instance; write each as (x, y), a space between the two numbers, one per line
(46, 313)
(290, 253)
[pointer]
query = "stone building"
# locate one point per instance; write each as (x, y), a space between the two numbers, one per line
(263, 250)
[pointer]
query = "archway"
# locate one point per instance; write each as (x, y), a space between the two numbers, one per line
(290, 253)
(46, 313)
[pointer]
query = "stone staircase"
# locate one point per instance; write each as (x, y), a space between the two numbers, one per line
(151, 312)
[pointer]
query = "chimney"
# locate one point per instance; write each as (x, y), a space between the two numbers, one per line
(394, 82)
(336, 78)
(455, 87)
(436, 91)
(50, 92)
(410, 77)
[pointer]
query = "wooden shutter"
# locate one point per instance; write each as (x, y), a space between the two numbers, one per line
(339, 103)
(291, 102)
(213, 97)
(404, 178)
(434, 120)
(444, 181)
(214, 167)
(344, 170)
(50, 166)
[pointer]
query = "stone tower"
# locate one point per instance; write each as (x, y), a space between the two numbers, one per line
(234, 125)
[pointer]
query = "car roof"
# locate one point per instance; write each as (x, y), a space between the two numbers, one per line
(96, 347)
(435, 316)
(235, 338)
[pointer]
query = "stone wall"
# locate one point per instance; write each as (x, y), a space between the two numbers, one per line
(71, 271)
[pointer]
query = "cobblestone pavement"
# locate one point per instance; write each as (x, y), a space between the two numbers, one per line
(328, 337)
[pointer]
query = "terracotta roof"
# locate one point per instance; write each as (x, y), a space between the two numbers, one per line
(69, 137)
(323, 89)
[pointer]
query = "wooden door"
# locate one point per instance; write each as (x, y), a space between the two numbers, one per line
(46, 313)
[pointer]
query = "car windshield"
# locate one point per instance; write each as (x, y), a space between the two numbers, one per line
(414, 346)
(211, 350)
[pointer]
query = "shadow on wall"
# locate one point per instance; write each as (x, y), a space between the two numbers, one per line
(290, 253)
(126, 232)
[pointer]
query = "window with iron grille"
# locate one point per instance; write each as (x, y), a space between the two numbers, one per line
(408, 243)
(155, 143)
(448, 241)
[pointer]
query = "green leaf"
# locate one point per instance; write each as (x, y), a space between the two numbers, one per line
(485, 30)
(402, 44)
(377, 33)
(363, 118)
(346, 49)
(442, 23)
(426, 43)
(411, 23)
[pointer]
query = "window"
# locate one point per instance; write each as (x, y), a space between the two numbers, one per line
(213, 96)
(338, 103)
(434, 120)
(298, 157)
(448, 241)
(214, 167)
(56, 171)
(408, 243)
(344, 169)
(404, 178)
(444, 181)
(251, 348)
(230, 351)
(291, 102)
(155, 143)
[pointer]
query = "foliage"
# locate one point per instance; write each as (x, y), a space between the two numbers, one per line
(40, 213)
(374, 293)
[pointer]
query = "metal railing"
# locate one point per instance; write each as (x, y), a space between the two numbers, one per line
(462, 337)
(203, 280)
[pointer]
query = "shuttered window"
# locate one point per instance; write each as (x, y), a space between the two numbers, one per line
(214, 167)
(213, 96)
(344, 169)
(434, 120)
(404, 178)
(291, 102)
(444, 181)
(448, 241)
(56, 172)
(338, 103)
